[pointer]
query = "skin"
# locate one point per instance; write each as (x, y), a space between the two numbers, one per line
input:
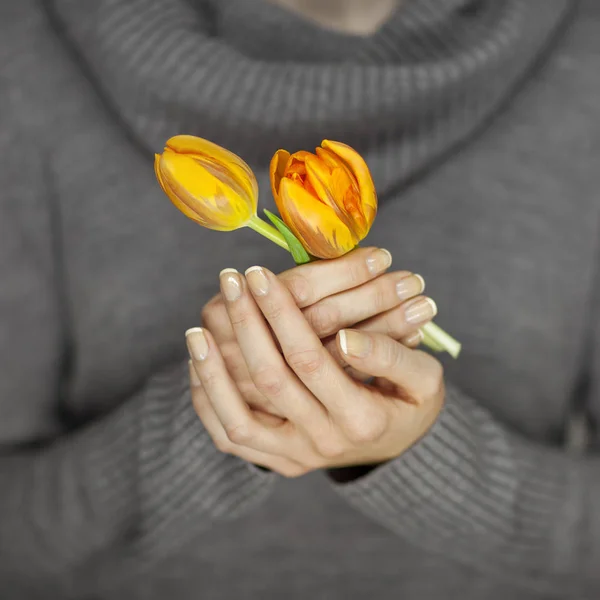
(357, 17)
(276, 383)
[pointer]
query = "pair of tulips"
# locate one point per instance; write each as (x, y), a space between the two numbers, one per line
(327, 200)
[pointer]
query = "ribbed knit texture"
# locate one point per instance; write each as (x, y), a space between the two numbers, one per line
(109, 485)
(226, 69)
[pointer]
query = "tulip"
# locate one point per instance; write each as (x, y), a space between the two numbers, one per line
(211, 185)
(327, 199)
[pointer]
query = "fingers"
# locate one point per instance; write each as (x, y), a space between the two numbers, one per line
(239, 422)
(301, 347)
(311, 282)
(417, 375)
(215, 429)
(352, 306)
(215, 319)
(402, 323)
(267, 368)
(413, 340)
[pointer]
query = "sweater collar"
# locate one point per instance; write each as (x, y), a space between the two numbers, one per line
(254, 77)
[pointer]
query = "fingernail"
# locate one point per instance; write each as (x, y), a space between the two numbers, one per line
(354, 343)
(231, 284)
(257, 280)
(409, 286)
(379, 260)
(197, 344)
(419, 311)
(194, 379)
(414, 338)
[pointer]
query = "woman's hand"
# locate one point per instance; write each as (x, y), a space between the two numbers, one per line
(349, 291)
(327, 418)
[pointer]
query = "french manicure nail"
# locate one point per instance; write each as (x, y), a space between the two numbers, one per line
(414, 339)
(354, 343)
(409, 286)
(379, 260)
(420, 278)
(194, 379)
(257, 280)
(231, 284)
(197, 344)
(420, 310)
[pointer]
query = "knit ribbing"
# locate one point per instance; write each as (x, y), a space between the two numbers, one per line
(161, 475)
(424, 82)
(463, 482)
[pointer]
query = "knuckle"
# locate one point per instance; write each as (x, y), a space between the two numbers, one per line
(369, 428)
(329, 447)
(299, 287)
(380, 299)
(390, 357)
(433, 382)
(211, 381)
(239, 433)
(223, 445)
(240, 320)
(268, 381)
(272, 310)
(323, 318)
(356, 273)
(307, 363)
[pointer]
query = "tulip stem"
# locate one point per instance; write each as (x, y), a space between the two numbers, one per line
(268, 231)
(438, 340)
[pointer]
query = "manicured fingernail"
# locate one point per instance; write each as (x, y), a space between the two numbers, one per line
(420, 310)
(414, 339)
(420, 278)
(197, 344)
(354, 343)
(231, 284)
(409, 286)
(379, 260)
(194, 379)
(257, 280)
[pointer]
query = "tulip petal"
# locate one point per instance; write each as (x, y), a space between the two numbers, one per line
(277, 170)
(357, 165)
(206, 150)
(212, 203)
(344, 189)
(337, 188)
(170, 194)
(314, 223)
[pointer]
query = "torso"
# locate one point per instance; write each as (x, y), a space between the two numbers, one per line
(505, 233)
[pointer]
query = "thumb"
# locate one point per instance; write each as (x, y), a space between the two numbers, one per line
(381, 356)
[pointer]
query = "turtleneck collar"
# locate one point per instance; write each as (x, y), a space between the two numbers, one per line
(255, 77)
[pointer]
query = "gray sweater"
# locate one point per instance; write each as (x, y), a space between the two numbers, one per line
(481, 122)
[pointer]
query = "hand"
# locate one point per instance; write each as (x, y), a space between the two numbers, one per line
(332, 294)
(329, 419)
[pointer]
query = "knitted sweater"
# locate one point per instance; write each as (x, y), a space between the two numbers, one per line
(479, 119)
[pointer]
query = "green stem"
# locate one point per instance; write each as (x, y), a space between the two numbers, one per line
(438, 340)
(268, 231)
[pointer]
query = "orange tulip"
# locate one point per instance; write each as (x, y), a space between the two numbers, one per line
(327, 199)
(207, 183)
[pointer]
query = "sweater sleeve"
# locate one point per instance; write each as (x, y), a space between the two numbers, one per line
(120, 493)
(481, 495)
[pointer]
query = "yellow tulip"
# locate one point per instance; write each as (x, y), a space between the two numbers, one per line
(207, 183)
(327, 199)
